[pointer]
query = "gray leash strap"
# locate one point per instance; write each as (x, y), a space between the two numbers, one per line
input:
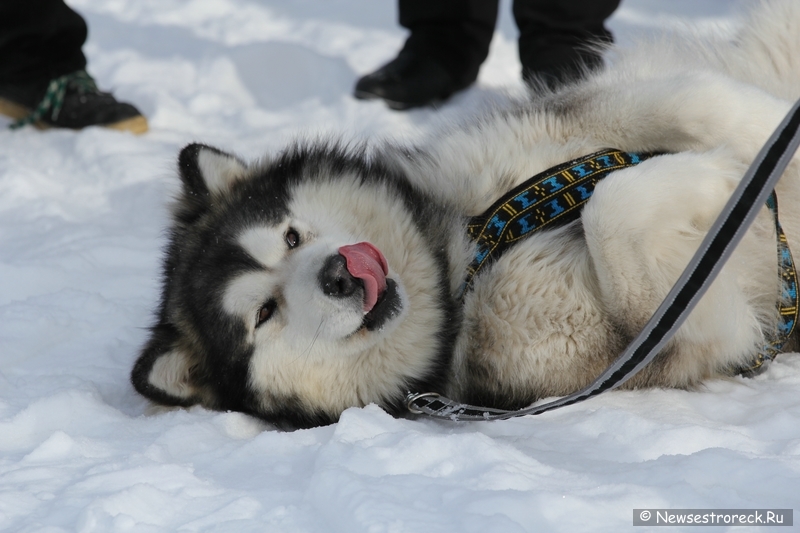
(718, 245)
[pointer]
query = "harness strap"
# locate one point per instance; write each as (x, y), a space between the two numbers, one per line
(727, 231)
(547, 200)
(788, 307)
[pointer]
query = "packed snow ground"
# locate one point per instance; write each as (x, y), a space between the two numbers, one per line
(81, 228)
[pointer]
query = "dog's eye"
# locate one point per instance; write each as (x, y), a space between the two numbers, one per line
(292, 238)
(266, 312)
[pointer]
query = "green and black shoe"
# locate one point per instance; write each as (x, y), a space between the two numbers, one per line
(72, 101)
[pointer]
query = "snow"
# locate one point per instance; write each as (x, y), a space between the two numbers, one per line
(82, 219)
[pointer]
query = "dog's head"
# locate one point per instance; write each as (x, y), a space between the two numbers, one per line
(298, 287)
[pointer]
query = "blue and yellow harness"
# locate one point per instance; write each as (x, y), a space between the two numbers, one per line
(555, 197)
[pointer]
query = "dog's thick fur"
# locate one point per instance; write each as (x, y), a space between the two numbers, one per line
(248, 320)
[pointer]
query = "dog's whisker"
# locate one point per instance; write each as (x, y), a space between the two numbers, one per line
(306, 353)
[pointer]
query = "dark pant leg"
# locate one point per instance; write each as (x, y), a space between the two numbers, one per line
(553, 33)
(455, 33)
(39, 40)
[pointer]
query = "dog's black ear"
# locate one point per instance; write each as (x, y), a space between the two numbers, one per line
(165, 370)
(205, 172)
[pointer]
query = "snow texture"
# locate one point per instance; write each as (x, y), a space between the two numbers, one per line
(82, 217)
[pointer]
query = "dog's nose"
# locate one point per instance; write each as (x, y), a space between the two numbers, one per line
(335, 279)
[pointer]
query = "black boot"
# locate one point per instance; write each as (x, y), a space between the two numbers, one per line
(448, 42)
(72, 101)
(410, 80)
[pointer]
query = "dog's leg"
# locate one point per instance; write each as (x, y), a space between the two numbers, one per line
(472, 165)
(694, 111)
(643, 225)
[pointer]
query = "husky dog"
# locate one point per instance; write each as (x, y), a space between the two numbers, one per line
(329, 276)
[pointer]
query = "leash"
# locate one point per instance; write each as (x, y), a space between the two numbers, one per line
(727, 231)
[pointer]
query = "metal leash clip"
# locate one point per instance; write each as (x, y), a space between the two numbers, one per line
(413, 397)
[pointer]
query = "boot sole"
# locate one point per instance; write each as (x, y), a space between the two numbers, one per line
(136, 125)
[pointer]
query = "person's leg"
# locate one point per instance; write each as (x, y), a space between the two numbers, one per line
(43, 77)
(454, 33)
(554, 35)
(448, 42)
(39, 40)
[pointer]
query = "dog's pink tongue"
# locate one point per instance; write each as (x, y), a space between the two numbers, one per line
(367, 263)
